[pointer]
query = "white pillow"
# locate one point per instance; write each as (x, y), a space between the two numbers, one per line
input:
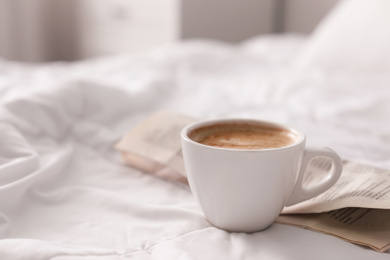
(353, 37)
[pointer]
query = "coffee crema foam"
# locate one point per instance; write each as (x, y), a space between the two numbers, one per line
(243, 136)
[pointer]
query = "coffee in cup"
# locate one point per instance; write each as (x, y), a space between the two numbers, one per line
(243, 172)
(243, 136)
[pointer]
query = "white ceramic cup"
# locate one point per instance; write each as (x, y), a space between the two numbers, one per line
(245, 190)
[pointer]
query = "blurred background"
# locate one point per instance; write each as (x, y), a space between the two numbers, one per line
(50, 30)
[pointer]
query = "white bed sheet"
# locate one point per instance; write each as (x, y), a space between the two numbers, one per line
(65, 193)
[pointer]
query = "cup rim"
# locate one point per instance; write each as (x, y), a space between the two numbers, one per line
(192, 126)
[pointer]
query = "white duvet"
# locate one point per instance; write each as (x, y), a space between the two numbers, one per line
(65, 193)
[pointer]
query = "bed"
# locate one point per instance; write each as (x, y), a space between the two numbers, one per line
(65, 192)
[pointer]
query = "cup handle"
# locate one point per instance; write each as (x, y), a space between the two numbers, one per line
(301, 193)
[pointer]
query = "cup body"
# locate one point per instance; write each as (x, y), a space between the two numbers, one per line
(241, 190)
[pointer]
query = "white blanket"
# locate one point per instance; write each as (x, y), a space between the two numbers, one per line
(65, 193)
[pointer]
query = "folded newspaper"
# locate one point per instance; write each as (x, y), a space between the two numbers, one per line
(356, 208)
